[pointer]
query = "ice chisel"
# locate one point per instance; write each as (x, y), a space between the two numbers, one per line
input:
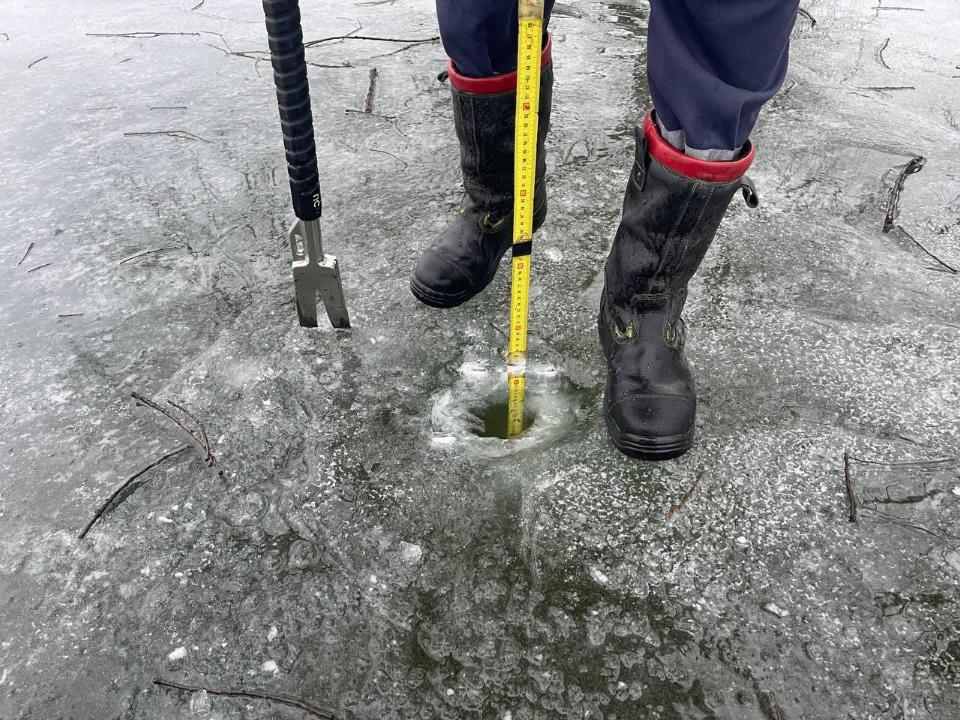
(313, 272)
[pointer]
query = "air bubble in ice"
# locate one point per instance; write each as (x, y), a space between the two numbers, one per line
(303, 554)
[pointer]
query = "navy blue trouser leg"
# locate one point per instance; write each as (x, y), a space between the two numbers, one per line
(480, 36)
(712, 64)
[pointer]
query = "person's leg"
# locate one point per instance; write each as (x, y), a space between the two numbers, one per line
(481, 39)
(713, 63)
(480, 36)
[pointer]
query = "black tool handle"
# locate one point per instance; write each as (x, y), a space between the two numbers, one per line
(293, 95)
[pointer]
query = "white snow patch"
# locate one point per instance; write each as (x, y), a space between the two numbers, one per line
(270, 666)
(179, 654)
(272, 633)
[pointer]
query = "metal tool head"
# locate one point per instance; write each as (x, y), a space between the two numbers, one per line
(316, 274)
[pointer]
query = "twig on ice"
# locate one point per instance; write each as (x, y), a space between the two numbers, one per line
(141, 35)
(914, 166)
(408, 41)
(808, 16)
(776, 706)
(200, 439)
(371, 91)
(26, 252)
(384, 152)
(150, 252)
(109, 501)
(371, 114)
(935, 462)
(252, 694)
(946, 268)
(848, 481)
(676, 508)
(179, 134)
(203, 431)
(880, 54)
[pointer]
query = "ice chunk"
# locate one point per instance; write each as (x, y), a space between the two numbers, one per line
(775, 609)
(599, 576)
(200, 703)
(410, 553)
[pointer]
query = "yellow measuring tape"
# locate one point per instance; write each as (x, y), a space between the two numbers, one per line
(524, 178)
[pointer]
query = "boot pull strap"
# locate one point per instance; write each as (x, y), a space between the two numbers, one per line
(641, 159)
(444, 76)
(749, 191)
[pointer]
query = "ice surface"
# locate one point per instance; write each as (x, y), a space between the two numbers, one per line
(550, 583)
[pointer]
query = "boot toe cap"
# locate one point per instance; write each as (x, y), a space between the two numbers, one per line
(440, 279)
(652, 426)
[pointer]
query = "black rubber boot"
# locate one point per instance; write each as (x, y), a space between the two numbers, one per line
(464, 259)
(671, 211)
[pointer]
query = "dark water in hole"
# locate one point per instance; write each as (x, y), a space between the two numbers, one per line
(493, 418)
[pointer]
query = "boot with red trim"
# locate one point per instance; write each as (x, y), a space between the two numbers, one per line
(671, 211)
(464, 259)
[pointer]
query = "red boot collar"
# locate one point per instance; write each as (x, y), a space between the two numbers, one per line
(497, 83)
(690, 166)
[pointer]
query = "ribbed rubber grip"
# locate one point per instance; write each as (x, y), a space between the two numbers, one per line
(293, 96)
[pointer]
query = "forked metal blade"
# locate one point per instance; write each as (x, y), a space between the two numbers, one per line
(316, 274)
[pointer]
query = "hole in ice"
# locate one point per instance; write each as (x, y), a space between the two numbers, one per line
(492, 417)
(472, 413)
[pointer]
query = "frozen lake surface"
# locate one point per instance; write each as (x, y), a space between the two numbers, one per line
(364, 550)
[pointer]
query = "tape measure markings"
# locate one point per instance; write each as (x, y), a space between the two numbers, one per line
(525, 164)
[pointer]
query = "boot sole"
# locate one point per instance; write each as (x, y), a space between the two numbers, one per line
(653, 449)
